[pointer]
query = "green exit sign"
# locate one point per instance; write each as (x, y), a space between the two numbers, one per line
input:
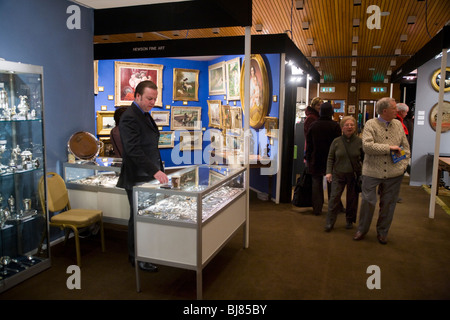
(378, 89)
(327, 89)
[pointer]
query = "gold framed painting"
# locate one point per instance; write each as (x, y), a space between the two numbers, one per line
(166, 139)
(233, 71)
(190, 140)
(216, 77)
(445, 116)
(129, 74)
(214, 113)
(236, 117)
(107, 150)
(271, 126)
(259, 90)
(105, 122)
(436, 79)
(216, 138)
(185, 84)
(186, 118)
(226, 116)
(161, 118)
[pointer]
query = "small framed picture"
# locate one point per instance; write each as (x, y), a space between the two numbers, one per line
(233, 69)
(191, 140)
(166, 139)
(351, 109)
(105, 122)
(161, 118)
(186, 118)
(271, 126)
(216, 76)
(215, 116)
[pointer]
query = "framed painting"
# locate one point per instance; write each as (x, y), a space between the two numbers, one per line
(129, 74)
(216, 77)
(226, 117)
(436, 79)
(185, 84)
(108, 149)
(105, 122)
(259, 91)
(271, 126)
(236, 117)
(445, 116)
(214, 114)
(186, 118)
(233, 71)
(190, 140)
(216, 138)
(95, 76)
(161, 118)
(233, 142)
(166, 139)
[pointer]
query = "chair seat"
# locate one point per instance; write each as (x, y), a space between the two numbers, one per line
(77, 217)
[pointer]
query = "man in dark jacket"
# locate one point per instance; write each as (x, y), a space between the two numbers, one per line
(318, 140)
(141, 160)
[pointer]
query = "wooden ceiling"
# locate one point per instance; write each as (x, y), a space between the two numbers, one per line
(329, 42)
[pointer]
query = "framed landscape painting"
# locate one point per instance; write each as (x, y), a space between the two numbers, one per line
(215, 116)
(161, 118)
(166, 139)
(186, 118)
(233, 71)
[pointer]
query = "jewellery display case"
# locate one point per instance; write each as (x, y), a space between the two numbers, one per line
(92, 185)
(24, 248)
(186, 222)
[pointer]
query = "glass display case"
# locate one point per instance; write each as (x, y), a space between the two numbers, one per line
(186, 222)
(92, 185)
(24, 248)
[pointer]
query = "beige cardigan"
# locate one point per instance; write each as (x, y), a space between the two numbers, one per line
(376, 138)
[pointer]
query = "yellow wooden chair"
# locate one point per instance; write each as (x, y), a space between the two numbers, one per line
(68, 218)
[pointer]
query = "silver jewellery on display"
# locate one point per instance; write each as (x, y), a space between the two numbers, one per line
(10, 113)
(20, 160)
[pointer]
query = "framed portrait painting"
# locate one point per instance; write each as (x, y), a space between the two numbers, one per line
(259, 91)
(214, 114)
(129, 74)
(161, 118)
(436, 79)
(166, 139)
(185, 84)
(216, 77)
(445, 116)
(186, 118)
(233, 71)
(105, 122)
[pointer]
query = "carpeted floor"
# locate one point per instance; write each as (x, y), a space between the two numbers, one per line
(290, 257)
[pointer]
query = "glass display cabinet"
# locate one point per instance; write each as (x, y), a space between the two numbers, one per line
(186, 222)
(24, 248)
(92, 185)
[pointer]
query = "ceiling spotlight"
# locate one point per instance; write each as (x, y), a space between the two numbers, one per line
(411, 20)
(354, 63)
(356, 2)
(105, 37)
(353, 72)
(258, 27)
(389, 72)
(393, 63)
(314, 54)
(317, 64)
(176, 33)
(299, 4)
(353, 80)
(216, 30)
(398, 52)
(356, 22)
(305, 25)
(139, 35)
(403, 37)
(354, 52)
(355, 39)
(309, 41)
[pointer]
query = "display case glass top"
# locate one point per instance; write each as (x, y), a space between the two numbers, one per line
(192, 194)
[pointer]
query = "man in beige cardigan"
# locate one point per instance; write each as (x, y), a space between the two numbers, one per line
(383, 138)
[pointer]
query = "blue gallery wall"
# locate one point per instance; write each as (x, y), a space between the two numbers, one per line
(35, 32)
(106, 76)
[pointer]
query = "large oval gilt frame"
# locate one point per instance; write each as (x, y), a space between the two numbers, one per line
(434, 83)
(257, 123)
